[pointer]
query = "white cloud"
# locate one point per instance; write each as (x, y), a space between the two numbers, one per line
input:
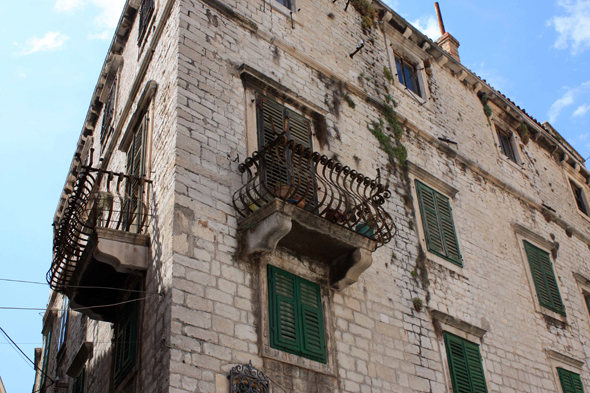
(581, 111)
(108, 16)
(492, 77)
(566, 100)
(428, 25)
(68, 5)
(574, 28)
(51, 41)
(105, 35)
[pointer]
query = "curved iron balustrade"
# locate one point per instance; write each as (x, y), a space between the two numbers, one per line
(99, 199)
(289, 171)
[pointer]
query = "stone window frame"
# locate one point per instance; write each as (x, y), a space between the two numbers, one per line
(523, 234)
(417, 173)
(286, 11)
(444, 322)
(141, 42)
(497, 125)
(314, 272)
(571, 180)
(559, 360)
(398, 44)
(584, 288)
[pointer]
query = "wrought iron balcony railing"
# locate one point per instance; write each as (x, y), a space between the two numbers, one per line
(99, 199)
(322, 186)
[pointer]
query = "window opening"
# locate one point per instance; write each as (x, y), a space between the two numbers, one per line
(407, 76)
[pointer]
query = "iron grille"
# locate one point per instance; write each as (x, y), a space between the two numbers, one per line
(145, 13)
(244, 378)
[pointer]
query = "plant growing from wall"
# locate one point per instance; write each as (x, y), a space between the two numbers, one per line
(387, 74)
(524, 133)
(349, 100)
(486, 108)
(418, 304)
(367, 12)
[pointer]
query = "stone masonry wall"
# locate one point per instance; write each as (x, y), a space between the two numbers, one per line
(378, 341)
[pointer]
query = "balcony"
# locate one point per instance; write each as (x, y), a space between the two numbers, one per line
(100, 243)
(314, 206)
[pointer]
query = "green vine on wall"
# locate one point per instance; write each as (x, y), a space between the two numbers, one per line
(349, 100)
(524, 133)
(387, 74)
(389, 121)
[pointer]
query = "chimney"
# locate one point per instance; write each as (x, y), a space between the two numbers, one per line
(446, 41)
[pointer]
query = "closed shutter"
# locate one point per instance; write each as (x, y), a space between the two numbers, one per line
(544, 278)
(465, 365)
(136, 168)
(570, 382)
(312, 320)
(283, 310)
(126, 343)
(437, 221)
(46, 352)
(78, 386)
(296, 318)
(274, 120)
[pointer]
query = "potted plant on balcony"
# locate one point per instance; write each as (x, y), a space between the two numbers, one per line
(283, 191)
(366, 228)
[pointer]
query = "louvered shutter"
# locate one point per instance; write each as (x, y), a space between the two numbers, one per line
(126, 344)
(570, 382)
(312, 321)
(544, 278)
(270, 126)
(299, 130)
(427, 200)
(448, 228)
(285, 324)
(437, 221)
(465, 365)
(78, 386)
(136, 168)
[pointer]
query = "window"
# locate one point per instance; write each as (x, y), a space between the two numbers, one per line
(125, 341)
(465, 365)
(286, 3)
(78, 386)
(437, 221)
(107, 119)
(570, 382)
(136, 155)
(65, 312)
(296, 315)
(544, 278)
(406, 74)
(273, 121)
(46, 352)
(579, 196)
(145, 13)
(506, 145)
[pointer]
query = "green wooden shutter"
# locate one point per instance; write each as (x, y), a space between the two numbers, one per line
(46, 353)
(126, 343)
(465, 365)
(284, 315)
(78, 386)
(544, 278)
(437, 221)
(296, 317)
(270, 126)
(312, 321)
(303, 180)
(570, 382)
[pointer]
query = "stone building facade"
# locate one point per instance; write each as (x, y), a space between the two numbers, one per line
(168, 271)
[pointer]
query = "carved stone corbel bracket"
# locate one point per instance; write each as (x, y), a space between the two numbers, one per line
(268, 233)
(347, 269)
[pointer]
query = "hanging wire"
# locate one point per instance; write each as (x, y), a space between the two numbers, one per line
(22, 352)
(79, 308)
(79, 286)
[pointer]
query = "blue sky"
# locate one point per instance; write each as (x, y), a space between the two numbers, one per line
(51, 52)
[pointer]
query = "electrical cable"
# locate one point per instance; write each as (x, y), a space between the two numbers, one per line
(77, 286)
(21, 351)
(79, 308)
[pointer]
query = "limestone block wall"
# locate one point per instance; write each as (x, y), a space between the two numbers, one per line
(377, 340)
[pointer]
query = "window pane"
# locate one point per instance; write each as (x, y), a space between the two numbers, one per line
(410, 76)
(286, 3)
(400, 72)
(579, 195)
(506, 145)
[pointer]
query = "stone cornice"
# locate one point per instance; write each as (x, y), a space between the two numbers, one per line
(527, 233)
(570, 361)
(457, 323)
(440, 185)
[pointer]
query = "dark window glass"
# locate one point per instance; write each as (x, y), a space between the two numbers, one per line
(587, 298)
(64, 322)
(286, 3)
(145, 13)
(506, 145)
(406, 74)
(579, 195)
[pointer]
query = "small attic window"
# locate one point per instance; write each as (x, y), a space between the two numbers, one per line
(580, 197)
